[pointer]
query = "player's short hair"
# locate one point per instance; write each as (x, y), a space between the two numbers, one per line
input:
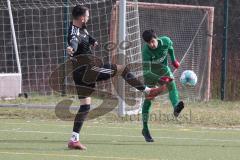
(78, 11)
(148, 35)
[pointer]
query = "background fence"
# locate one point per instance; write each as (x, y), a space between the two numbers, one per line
(233, 62)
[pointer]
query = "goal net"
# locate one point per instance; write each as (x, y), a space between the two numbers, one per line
(189, 27)
(41, 34)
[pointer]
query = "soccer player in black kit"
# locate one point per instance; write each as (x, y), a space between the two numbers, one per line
(86, 75)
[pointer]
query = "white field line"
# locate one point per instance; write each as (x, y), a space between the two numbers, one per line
(70, 155)
(128, 136)
(204, 130)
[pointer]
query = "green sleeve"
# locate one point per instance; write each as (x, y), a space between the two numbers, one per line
(167, 42)
(171, 53)
(147, 74)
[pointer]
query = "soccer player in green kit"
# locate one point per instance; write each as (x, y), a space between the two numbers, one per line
(157, 72)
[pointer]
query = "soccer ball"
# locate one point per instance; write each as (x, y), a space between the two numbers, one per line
(188, 78)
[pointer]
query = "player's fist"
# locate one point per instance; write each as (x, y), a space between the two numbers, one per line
(95, 44)
(70, 51)
(176, 64)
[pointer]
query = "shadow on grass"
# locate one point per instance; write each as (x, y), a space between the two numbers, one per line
(157, 143)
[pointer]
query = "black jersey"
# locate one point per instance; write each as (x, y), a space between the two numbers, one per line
(80, 40)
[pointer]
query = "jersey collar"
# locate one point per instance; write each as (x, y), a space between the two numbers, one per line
(160, 42)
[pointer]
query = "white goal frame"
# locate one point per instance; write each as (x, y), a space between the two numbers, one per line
(11, 83)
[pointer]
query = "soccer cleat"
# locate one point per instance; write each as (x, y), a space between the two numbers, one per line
(178, 109)
(76, 145)
(155, 92)
(147, 136)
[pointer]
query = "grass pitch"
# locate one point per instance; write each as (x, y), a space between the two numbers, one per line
(206, 131)
(47, 139)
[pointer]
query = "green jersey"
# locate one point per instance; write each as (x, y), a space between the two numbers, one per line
(155, 61)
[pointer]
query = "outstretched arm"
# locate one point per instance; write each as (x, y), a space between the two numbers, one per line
(175, 62)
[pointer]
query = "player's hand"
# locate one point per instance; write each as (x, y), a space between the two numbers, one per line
(95, 44)
(176, 64)
(70, 51)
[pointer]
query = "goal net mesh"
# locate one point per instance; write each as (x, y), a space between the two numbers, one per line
(190, 29)
(41, 29)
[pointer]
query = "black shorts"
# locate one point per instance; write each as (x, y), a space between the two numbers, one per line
(85, 77)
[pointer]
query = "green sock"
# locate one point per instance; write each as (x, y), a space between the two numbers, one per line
(145, 113)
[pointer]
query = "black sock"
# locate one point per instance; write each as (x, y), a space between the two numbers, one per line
(80, 117)
(132, 80)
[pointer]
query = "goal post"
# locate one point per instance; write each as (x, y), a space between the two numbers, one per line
(122, 55)
(131, 46)
(11, 80)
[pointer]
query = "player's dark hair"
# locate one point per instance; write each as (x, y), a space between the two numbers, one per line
(78, 11)
(148, 35)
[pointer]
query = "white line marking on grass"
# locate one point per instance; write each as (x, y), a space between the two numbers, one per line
(203, 130)
(37, 124)
(113, 135)
(175, 138)
(71, 155)
(41, 132)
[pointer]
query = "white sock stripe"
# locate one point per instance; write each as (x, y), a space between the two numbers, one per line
(109, 72)
(102, 70)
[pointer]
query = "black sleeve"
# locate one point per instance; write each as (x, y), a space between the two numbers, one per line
(69, 37)
(74, 41)
(91, 40)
